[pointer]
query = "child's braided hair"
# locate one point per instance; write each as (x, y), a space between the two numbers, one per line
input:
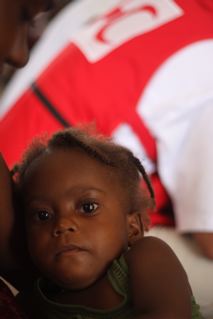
(128, 167)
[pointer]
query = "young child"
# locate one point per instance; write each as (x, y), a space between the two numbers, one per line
(85, 215)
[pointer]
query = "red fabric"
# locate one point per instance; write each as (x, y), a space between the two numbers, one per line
(9, 309)
(27, 119)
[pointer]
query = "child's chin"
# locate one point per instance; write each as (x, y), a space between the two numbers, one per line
(71, 283)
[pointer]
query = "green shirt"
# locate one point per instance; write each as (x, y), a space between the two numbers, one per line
(118, 277)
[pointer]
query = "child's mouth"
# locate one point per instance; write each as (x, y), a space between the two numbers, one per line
(69, 250)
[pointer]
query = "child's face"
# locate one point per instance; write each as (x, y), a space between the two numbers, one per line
(15, 19)
(76, 218)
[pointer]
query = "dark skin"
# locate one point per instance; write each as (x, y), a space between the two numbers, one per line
(15, 265)
(158, 282)
(79, 207)
(6, 216)
(16, 18)
(57, 216)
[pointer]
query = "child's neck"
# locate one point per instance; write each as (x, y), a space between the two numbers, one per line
(100, 295)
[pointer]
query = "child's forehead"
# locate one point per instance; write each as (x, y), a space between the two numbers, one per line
(61, 156)
(72, 167)
(76, 154)
(76, 159)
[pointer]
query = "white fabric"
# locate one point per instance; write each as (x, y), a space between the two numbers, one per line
(178, 108)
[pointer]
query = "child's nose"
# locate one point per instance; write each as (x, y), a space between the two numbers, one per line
(19, 52)
(63, 226)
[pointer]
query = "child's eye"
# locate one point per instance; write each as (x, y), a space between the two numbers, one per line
(88, 208)
(43, 215)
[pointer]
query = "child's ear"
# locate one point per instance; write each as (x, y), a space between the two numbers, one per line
(135, 228)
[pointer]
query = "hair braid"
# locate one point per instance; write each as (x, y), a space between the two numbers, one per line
(141, 169)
